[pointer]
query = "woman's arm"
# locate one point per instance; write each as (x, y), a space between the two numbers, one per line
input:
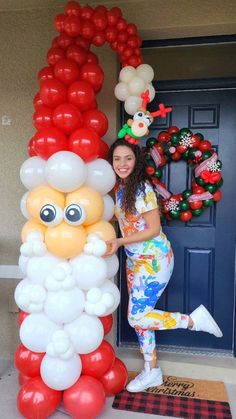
(153, 226)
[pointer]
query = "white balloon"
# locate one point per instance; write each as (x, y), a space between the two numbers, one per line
(94, 295)
(111, 288)
(65, 171)
(152, 91)
(136, 86)
(109, 207)
(132, 103)
(64, 306)
(89, 271)
(23, 206)
(39, 267)
(100, 176)
(32, 172)
(146, 72)
(112, 265)
(29, 296)
(36, 332)
(121, 91)
(23, 260)
(127, 73)
(60, 374)
(86, 333)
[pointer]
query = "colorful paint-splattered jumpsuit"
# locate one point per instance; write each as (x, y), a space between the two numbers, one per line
(149, 267)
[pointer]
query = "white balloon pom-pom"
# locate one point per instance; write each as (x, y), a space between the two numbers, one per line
(86, 333)
(65, 171)
(136, 86)
(34, 236)
(110, 288)
(100, 309)
(88, 248)
(132, 104)
(30, 297)
(38, 268)
(108, 299)
(121, 91)
(89, 308)
(146, 72)
(23, 206)
(127, 73)
(32, 172)
(89, 271)
(60, 374)
(94, 295)
(101, 176)
(93, 237)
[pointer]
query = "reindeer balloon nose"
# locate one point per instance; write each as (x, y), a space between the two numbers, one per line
(137, 127)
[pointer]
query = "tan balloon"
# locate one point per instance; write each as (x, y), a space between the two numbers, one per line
(65, 241)
(90, 200)
(41, 196)
(30, 226)
(103, 228)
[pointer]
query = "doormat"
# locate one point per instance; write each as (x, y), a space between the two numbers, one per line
(178, 397)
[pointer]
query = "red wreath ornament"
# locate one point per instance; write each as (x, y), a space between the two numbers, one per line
(181, 144)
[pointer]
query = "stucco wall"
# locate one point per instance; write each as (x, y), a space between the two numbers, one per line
(26, 32)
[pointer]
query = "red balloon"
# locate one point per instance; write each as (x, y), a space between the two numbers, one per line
(204, 145)
(186, 216)
(67, 118)
(46, 73)
(85, 399)
(217, 196)
(81, 94)
(31, 148)
(107, 322)
(100, 21)
(87, 12)
(98, 362)
(131, 29)
(86, 143)
(22, 314)
(96, 120)
(59, 22)
(36, 400)
(64, 40)
(72, 26)
(93, 74)
(28, 362)
(115, 379)
(72, 8)
(42, 117)
(23, 379)
(104, 149)
(77, 53)
(121, 24)
(88, 29)
(55, 54)
(111, 34)
(37, 101)
(133, 60)
(82, 42)
(92, 58)
(53, 93)
(66, 71)
(99, 39)
(49, 141)
(122, 36)
(113, 16)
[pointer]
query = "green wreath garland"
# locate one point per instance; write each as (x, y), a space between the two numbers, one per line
(181, 144)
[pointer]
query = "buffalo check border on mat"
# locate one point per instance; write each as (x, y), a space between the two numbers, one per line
(178, 407)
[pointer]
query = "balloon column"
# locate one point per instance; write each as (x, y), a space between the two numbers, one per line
(67, 294)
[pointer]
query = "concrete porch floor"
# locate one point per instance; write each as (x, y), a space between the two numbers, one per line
(219, 367)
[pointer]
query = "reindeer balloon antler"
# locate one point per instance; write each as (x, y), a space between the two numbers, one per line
(137, 127)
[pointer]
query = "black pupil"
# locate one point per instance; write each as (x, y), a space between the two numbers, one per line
(73, 213)
(140, 114)
(48, 214)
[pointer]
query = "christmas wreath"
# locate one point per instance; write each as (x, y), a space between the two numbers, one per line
(181, 144)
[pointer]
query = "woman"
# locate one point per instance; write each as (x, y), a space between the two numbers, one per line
(149, 263)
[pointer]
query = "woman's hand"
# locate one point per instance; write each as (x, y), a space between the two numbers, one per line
(112, 246)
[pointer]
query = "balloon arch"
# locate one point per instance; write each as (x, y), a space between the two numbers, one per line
(67, 294)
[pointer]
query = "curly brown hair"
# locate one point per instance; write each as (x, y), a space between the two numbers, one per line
(136, 179)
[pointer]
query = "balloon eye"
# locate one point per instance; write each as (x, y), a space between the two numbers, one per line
(51, 215)
(138, 115)
(74, 214)
(149, 120)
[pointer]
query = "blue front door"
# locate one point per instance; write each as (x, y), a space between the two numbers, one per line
(204, 248)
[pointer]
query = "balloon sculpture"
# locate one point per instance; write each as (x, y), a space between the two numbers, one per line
(67, 294)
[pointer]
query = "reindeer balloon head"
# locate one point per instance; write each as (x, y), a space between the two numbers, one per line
(136, 128)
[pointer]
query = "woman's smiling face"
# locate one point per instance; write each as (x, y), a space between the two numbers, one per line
(123, 161)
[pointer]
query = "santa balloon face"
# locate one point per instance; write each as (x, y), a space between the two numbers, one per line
(64, 218)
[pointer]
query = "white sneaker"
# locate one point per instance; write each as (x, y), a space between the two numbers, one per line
(147, 378)
(204, 322)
